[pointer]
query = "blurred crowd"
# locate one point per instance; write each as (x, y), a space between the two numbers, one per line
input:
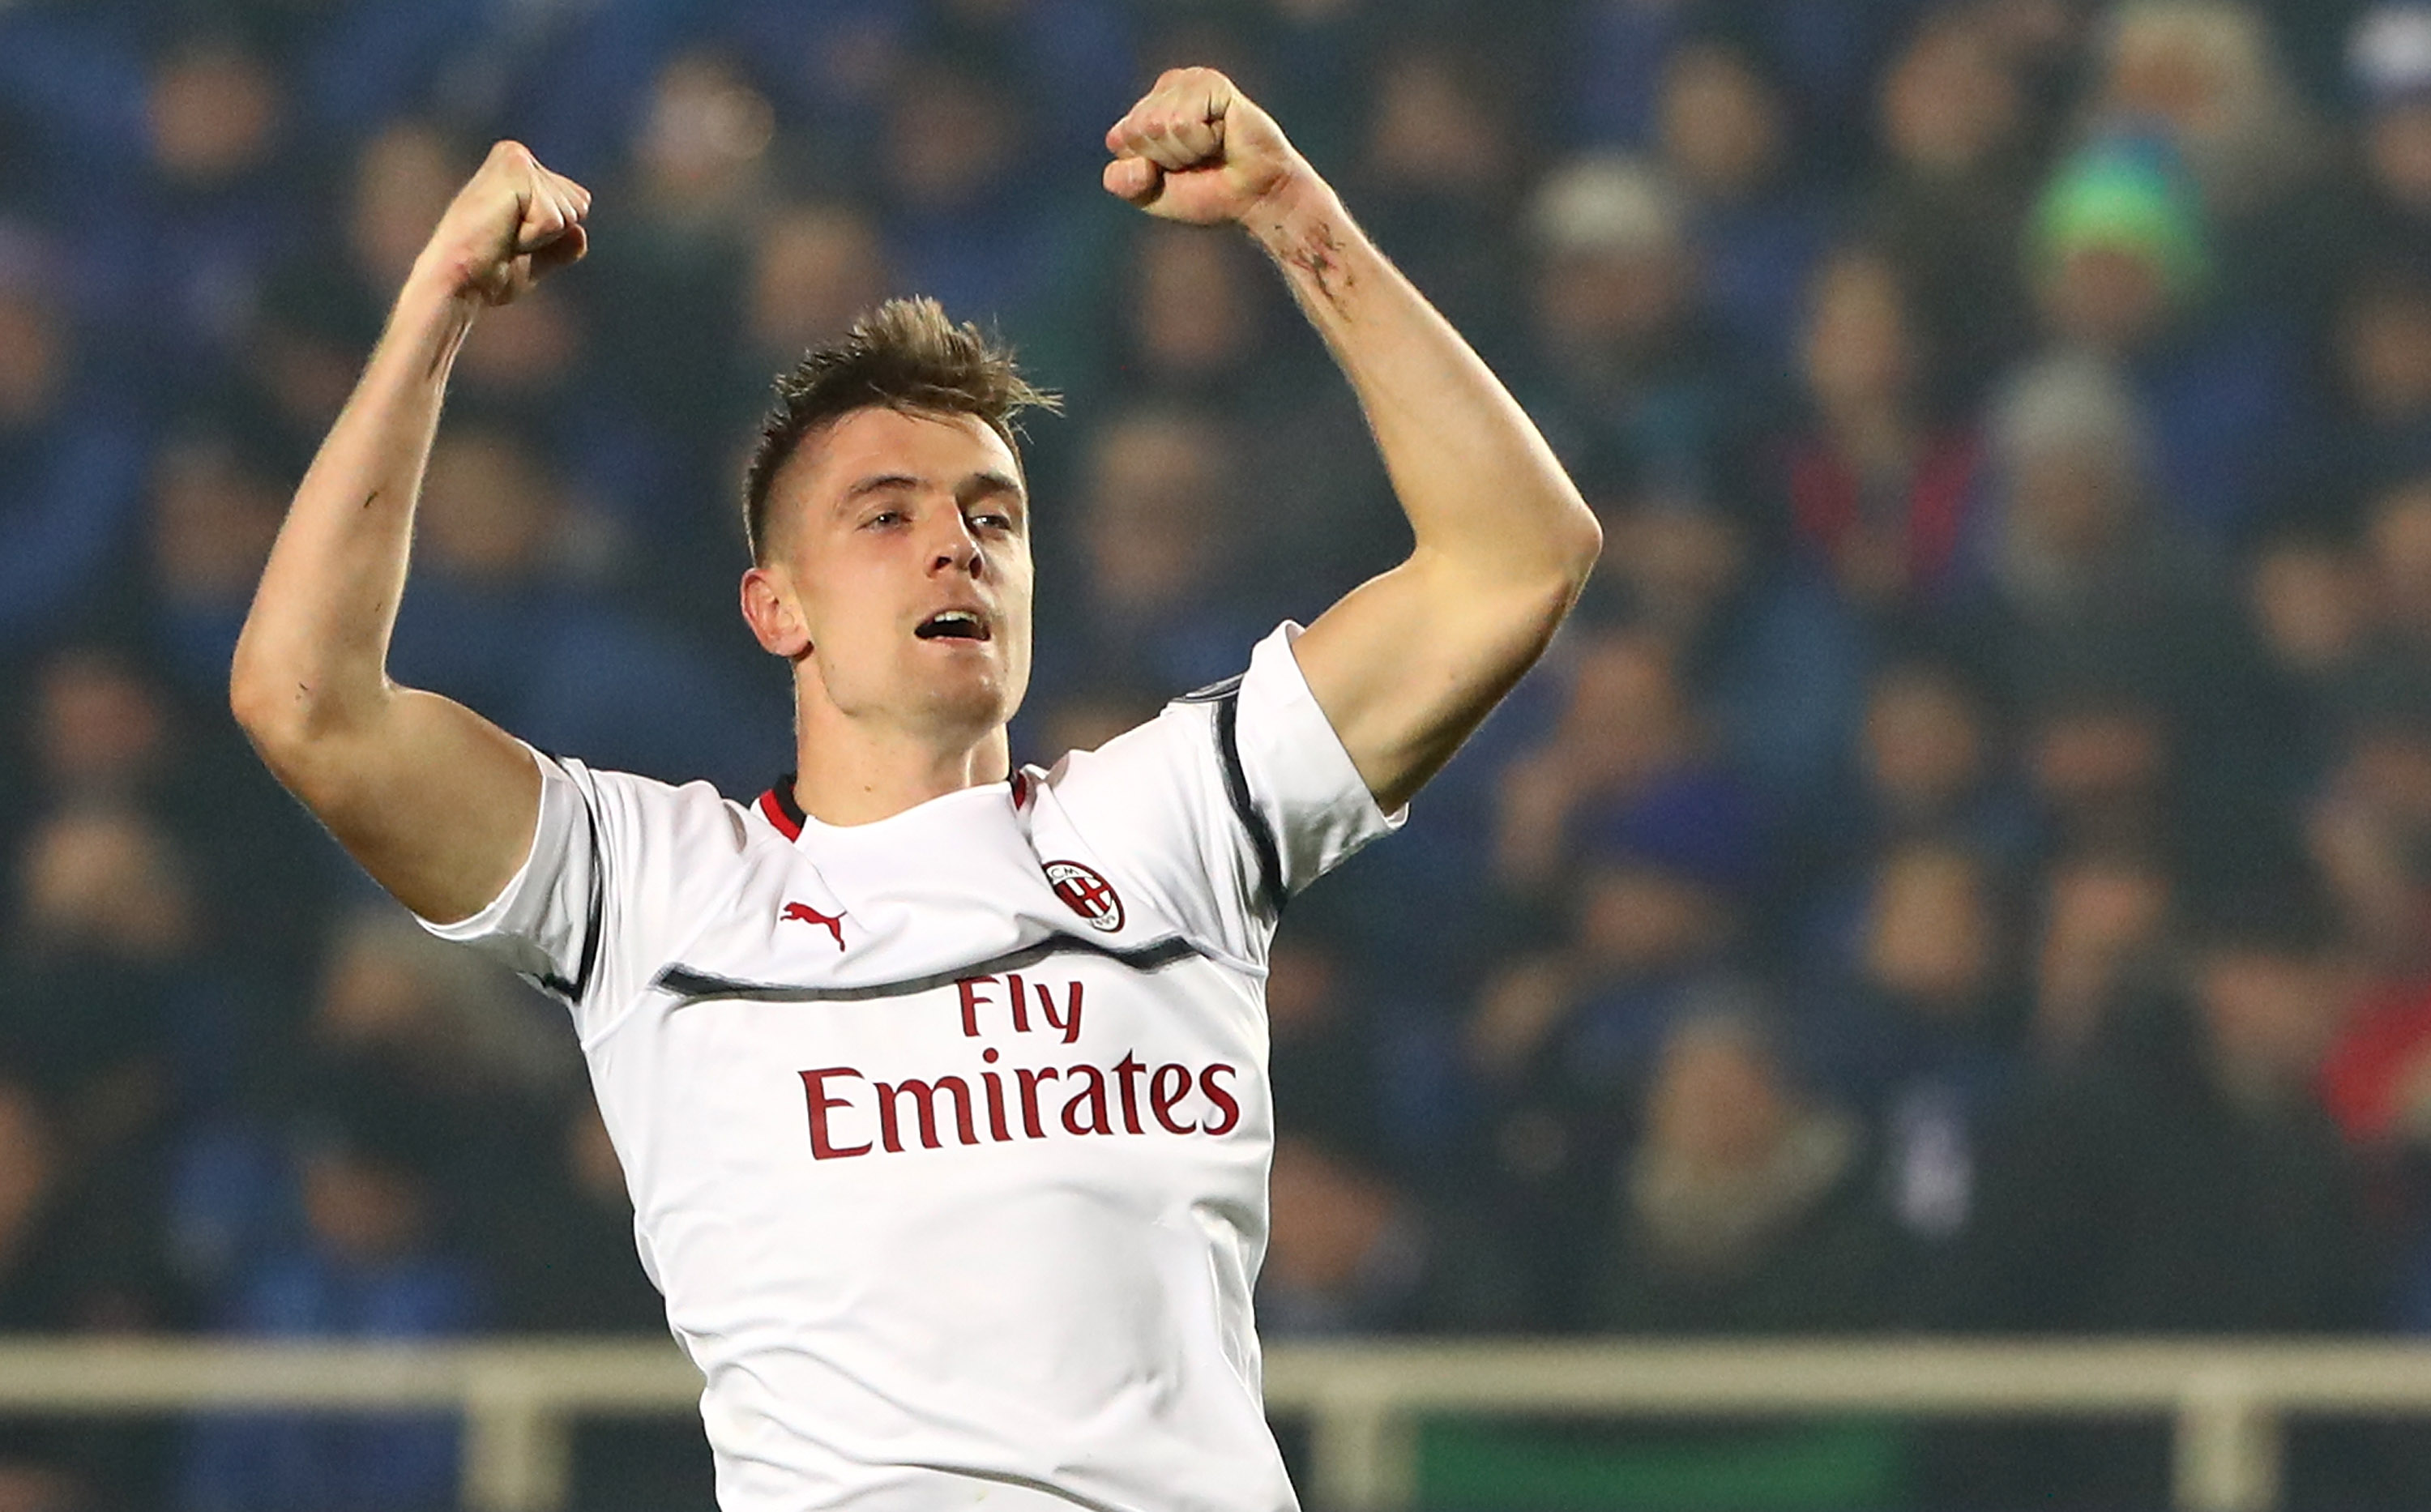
(1966, 865)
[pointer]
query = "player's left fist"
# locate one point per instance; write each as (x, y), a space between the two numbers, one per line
(1196, 149)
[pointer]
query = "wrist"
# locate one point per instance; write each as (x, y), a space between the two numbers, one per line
(431, 303)
(1282, 219)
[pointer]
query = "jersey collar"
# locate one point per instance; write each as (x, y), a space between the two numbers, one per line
(778, 807)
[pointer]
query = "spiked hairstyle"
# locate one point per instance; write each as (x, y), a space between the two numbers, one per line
(904, 354)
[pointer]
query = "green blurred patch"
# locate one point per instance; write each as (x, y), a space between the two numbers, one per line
(1467, 1465)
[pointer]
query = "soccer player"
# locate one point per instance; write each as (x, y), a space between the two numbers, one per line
(939, 1086)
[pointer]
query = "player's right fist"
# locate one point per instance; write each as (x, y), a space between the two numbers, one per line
(512, 225)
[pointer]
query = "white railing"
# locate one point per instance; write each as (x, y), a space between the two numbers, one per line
(519, 1396)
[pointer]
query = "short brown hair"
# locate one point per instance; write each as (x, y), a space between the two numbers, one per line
(904, 354)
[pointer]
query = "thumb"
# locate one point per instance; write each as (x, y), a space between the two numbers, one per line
(1136, 180)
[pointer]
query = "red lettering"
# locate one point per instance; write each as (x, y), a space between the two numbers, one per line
(969, 989)
(1028, 1081)
(1020, 1003)
(815, 1085)
(924, 1096)
(1223, 1100)
(1130, 1069)
(1095, 1096)
(995, 1086)
(1161, 1099)
(1070, 1022)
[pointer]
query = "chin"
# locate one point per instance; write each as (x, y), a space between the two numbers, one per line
(977, 704)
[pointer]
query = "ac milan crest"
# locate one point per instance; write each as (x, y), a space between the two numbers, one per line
(1086, 894)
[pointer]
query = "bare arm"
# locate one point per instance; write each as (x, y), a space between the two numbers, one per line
(1408, 663)
(437, 803)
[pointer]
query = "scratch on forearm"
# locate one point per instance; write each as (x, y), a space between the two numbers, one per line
(1319, 255)
(372, 499)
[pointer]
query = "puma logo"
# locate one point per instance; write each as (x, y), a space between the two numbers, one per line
(833, 923)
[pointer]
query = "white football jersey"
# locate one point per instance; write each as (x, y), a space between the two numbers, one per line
(948, 1135)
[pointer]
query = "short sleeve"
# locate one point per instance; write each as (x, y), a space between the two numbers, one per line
(1228, 802)
(600, 902)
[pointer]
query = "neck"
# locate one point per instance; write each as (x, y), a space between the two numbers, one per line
(851, 772)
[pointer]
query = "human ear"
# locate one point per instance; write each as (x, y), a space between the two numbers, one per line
(774, 616)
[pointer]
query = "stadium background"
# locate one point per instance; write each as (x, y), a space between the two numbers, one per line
(1965, 867)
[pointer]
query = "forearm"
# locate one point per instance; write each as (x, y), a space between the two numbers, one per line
(313, 653)
(1485, 496)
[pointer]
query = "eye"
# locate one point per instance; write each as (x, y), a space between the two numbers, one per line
(885, 517)
(992, 520)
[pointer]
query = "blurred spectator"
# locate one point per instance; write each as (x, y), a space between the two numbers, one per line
(2106, 917)
(70, 465)
(2310, 595)
(2126, 265)
(106, 980)
(1325, 1071)
(108, 731)
(2208, 76)
(1879, 487)
(1919, 1031)
(2309, 598)
(2388, 59)
(1931, 760)
(2383, 349)
(2397, 537)
(2184, 1178)
(2368, 826)
(323, 311)
(369, 1265)
(1657, 911)
(572, 1269)
(1614, 74)
(216, 123)
(505, 614)
(1200, 323)
(1949, 205)
(2104, 761)
(815, 267)
(77, 1256)
(470, 1059)
(1439, 174)
(218, 491)
(76, 1253)
(968, 217)
(1353, 1253)
(1163, 605)
(2082, 576)
(1625, 729)
(668, 285)
(1727, 133)
(1745, 1205)
(1626, 364)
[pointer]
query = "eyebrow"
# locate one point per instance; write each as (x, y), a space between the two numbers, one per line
(878, 484)
(988, 484)
(991, 482)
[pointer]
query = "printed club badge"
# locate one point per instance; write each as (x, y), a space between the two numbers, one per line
(1086, 894)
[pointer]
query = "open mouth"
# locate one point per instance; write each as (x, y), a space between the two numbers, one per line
(953, 624)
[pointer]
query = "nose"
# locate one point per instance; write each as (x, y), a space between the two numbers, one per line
(957, 549)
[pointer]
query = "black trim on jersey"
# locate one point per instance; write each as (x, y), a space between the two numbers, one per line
(1236, 788)
(793, 811)
(1213, 690)
(1225, 696)
(573, 991)
(690, 986)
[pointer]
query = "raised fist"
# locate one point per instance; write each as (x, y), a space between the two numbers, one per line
(1194, 149)
(512, 225)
